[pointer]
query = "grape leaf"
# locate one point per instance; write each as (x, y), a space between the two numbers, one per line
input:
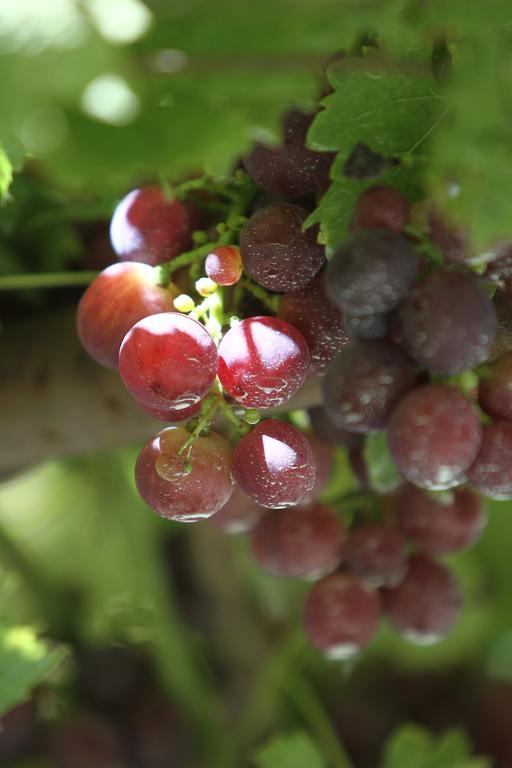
(391, 111)
(295, 750)
(24, 662)
(414, 747)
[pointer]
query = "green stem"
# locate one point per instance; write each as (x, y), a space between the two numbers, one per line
(45, 280)
(165, 271)
(241, 427)
(270, 300)
(306, 702)
(210, 406)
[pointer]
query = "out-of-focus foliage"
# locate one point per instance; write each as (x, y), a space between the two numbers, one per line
(294, 750)
(416, 748)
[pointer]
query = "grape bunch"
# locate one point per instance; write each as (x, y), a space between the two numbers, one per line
(213, 325)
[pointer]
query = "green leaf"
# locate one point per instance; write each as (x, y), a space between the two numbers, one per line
(383, 474)
(414, 747)
(295, 750)
(390, 110)
(6, 173)
(24, 662)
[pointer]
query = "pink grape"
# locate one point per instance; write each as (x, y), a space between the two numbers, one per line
(495, 393)
(491, 472)
(168, 361)
(440, 523)
(224, 265)
(263, 362)
(376, 554)
(434, 435)
(274, 464)
(116, 299)
(426, 605)
(341, 615)
(239, 514)
(173, 492)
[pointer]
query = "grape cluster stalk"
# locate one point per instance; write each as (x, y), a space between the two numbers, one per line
(205, 318)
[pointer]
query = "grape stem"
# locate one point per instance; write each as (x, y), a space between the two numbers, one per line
(271, 301)
(45, 280)
(210, 405)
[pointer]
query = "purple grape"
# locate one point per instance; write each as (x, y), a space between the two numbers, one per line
(372, 272)
(239, 515)
(495, 392)
(491, 472)
(381, 207)
(364, 383)
(376, 554)
(324, 427)
(375, 326)
(276, 252)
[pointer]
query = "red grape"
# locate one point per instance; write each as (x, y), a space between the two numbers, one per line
(324, 427)
(381, 207)
(372, 272)
(274, 464)
(495, 392)
(426, 605)
(263, 361)
(168, 361)
(290, 170)
(491, 473)
(173, 492)
(448, 323)
(116, 299)
(239, 514)
(364, 382)
(377, 554)
(434, 435)
(440, 523)
(323, 454)
(170, 415)
(321, 323)
(277, 253)
(224, 265)
(341, 615)
(148, 227)
(302, 542)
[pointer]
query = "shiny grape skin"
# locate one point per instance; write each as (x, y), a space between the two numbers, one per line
(376, 554)
(381, 207)
(117, 298)
(448, 323)
(274, 464)
(224, 265)
(290, 170)
(426, 605)
(491, 472)
(171, 491)
(364, 383)
(440, 524)
(320, 321)
(169, 415)
(263, 361)
(495, 391)
(434, 435)
(168, 361)
(375, 326)
(239, 515)
(324, 427)
(372, 272)
(341, 615)
(300, 543)
(149, 228)
(276, 252)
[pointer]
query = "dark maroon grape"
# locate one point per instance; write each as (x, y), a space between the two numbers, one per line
(426, 605)
(377, 554)
(368, 326)
(449, 238)
(168, 361)
(495, 392)
(116, 299)
(364, 383)
(448, 322)
(239, 515)
(325, 428)
(224, 265)
(274, 464)
(178, 492)
(290, 170)
(341, 615)
(381, 207)
(17, 730)
(84, 742)
(434, 435)
(500, 267)
(155, 733)
(302, 543)
(277, 253)
(372, 272)
(491, 472)
(263, 361)
(440, 523)
(148, 227)
(318, 319)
